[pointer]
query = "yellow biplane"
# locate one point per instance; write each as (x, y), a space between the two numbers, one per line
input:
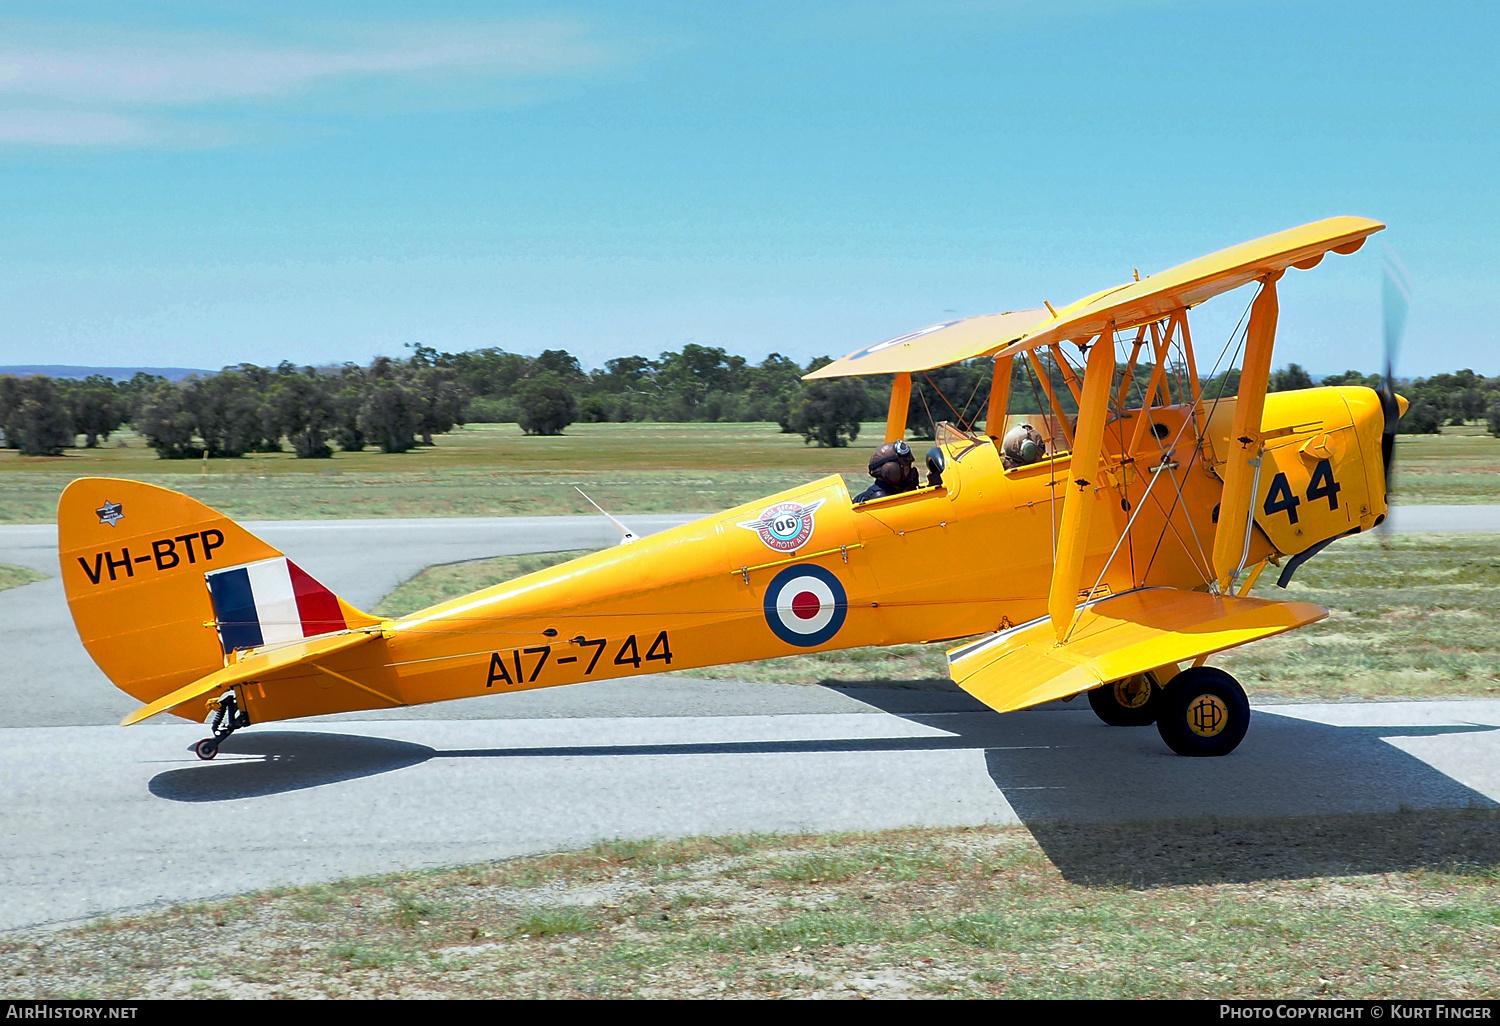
(1114, 562)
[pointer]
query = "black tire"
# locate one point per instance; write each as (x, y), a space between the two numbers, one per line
(206, 749)
(1132, 702)
(1203, 712)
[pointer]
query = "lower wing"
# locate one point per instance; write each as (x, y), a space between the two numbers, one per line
(1115, 638)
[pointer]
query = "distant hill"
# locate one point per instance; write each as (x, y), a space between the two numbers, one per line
(117, 373)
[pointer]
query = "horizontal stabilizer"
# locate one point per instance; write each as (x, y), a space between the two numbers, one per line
(1115, 638)
(253, 668)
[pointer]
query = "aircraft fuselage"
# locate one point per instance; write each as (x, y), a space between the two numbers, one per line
(806, 570)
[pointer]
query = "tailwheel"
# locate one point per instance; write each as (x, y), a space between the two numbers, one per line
(1204, 711)
(1132, 702)
(226, 717)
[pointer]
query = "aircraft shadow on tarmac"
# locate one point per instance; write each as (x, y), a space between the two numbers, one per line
(1311, 800)
(1108, 805)
(289, 760)
(1113, 806)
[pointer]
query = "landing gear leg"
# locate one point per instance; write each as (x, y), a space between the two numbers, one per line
(228, 717)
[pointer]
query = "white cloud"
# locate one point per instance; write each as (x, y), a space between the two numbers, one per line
(104, 91)
(69, 128)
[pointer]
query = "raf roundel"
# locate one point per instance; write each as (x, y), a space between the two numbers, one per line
(805, 605)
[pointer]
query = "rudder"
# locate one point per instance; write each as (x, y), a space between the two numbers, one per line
(164, 588)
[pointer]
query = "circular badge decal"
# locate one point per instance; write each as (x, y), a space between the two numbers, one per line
(785, 526)
(1208, 715)
(805, 605)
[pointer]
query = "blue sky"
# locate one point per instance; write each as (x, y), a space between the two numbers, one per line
(199, 184)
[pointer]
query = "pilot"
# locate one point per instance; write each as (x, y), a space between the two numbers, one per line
(894, 470)
(1023, 444)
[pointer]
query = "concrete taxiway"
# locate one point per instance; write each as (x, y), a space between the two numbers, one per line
(99, 819)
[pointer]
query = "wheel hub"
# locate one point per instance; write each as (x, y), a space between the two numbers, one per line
(1207, 716)
(1133, 692)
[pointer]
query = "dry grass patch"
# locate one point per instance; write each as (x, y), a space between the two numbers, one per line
(15, 576)
(965, 913)
(494, 470)
(1412, 616)
(481, 470)
(1456, 467)
(452, 580)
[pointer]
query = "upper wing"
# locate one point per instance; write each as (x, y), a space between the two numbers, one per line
(1126, 306)
(1140, 302)
(1189, 284)
(1115, 638)
(935, 346)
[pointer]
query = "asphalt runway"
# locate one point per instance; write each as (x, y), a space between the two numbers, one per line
(99, 819)
(1444, 520)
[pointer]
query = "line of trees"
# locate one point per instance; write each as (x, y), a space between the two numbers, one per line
(397, 404)
(393, 405)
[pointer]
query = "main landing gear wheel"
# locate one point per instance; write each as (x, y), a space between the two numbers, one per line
(1132, 702)
(1203, 712)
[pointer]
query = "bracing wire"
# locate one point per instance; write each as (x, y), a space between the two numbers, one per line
(1177, 371)
(1235, 334)
(963, 421)
(944, 398)
(928, 410)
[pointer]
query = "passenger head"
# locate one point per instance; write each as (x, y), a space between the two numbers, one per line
(1023, 444)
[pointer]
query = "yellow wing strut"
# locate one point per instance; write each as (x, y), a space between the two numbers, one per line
(1245, 439)
(895, 417)
(1078, 501)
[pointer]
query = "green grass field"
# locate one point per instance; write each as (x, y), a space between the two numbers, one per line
(494, 470)
(1411, 616)
(1459, 466)
(481, 470)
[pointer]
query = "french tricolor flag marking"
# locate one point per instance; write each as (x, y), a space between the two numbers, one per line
(271, 601)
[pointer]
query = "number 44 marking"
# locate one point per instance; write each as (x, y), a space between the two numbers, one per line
(1321, 486)
(629, 655)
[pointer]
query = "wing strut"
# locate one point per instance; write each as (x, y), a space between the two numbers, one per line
(1078, 505)
(895, 417)
(994, 421)
(1246, 443)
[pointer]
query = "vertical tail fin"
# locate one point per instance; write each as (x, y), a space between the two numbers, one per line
(163, 589)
